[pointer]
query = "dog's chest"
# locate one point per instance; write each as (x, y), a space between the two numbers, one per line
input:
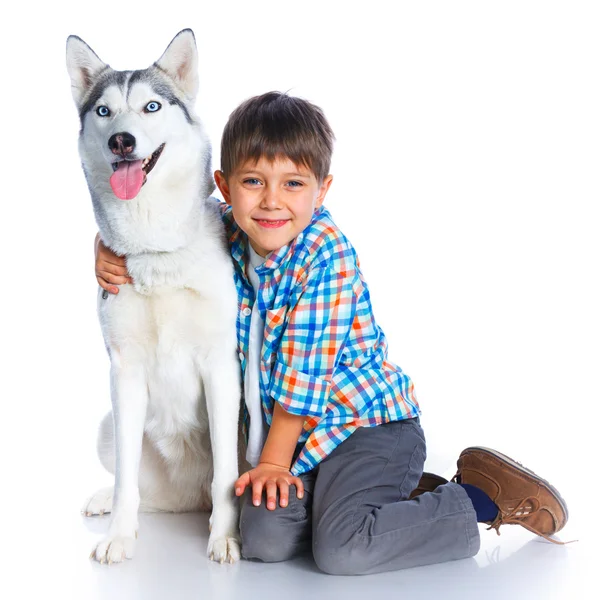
(167, 334)
(166, 322)
(181, 335)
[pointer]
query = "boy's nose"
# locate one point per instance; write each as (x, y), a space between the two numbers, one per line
(271, 199)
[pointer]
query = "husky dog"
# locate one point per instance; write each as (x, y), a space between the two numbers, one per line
(171, 438)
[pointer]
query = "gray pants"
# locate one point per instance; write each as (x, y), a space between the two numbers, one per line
(355, 513)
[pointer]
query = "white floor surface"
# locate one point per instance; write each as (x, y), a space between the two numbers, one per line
(170, 562)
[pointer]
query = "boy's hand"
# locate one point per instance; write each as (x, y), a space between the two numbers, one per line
(110, 268)
(275, 478)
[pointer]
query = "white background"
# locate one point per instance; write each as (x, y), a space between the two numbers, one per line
(464, 175)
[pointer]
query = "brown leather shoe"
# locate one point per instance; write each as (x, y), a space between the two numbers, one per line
(521, 496)
(428, 483)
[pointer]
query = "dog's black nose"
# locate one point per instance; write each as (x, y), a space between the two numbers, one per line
(121, 143)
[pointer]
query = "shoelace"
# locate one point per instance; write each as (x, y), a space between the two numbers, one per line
(514, 517)
(522, 509)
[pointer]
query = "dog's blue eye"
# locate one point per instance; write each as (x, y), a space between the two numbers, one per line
(153, 106)
(103, 111)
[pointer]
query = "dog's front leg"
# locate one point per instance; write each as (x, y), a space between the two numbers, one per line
(223, 395)
(129, 405)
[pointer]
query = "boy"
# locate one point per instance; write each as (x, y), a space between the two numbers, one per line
(334, 430)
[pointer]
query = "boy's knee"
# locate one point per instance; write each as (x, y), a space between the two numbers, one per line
(341, 552)
(263, 535)
(336, 555)
(335, 560)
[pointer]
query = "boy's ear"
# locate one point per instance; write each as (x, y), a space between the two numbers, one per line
(179, 61)
(83, 65)
(324, 187)
(222, 185)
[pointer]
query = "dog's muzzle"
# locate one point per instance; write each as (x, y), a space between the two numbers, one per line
(130, 175)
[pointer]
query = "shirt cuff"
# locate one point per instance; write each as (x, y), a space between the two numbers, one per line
(297, 392)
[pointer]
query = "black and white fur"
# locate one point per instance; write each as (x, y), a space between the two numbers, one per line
(171, 438)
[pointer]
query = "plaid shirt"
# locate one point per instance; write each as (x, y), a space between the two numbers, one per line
(323, 355)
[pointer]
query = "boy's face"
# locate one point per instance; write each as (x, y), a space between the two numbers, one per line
(273, 202)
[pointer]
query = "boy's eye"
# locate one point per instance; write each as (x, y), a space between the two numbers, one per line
(152, 106)
(251, 181)
(295, 183)
(103, 111)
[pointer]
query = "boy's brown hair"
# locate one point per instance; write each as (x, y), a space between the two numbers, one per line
(276, 125)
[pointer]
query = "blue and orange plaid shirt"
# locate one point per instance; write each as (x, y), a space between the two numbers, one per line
(323, 356)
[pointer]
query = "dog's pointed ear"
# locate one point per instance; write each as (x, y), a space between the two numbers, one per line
(83, 65)
(179, 61)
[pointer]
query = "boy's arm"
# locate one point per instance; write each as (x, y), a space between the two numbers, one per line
(272, 471)
(282, 438)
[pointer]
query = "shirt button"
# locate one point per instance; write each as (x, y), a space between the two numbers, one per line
(240, 356)
(246, 311)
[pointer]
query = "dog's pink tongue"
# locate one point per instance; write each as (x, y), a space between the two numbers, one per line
(127, 180)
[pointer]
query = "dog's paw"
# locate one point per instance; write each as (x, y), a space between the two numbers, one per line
(100, 503)
(224, 549)
(114, 548)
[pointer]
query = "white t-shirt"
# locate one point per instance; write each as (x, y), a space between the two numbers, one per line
(257, 424)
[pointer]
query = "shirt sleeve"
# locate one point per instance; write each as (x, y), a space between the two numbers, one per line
(317, 328)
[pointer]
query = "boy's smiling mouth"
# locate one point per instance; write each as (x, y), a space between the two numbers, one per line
(271, 223)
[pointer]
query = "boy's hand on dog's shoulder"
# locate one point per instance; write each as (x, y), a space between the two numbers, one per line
(273, 478)
(110, 268)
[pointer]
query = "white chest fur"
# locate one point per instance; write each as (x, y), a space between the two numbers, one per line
(168, 330)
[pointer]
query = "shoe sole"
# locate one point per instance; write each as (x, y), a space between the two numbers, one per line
(525, 471)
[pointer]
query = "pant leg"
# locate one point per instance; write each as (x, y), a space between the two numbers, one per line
(280, 534)
(363, 521)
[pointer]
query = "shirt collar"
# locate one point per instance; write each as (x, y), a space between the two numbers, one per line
(238, 244)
